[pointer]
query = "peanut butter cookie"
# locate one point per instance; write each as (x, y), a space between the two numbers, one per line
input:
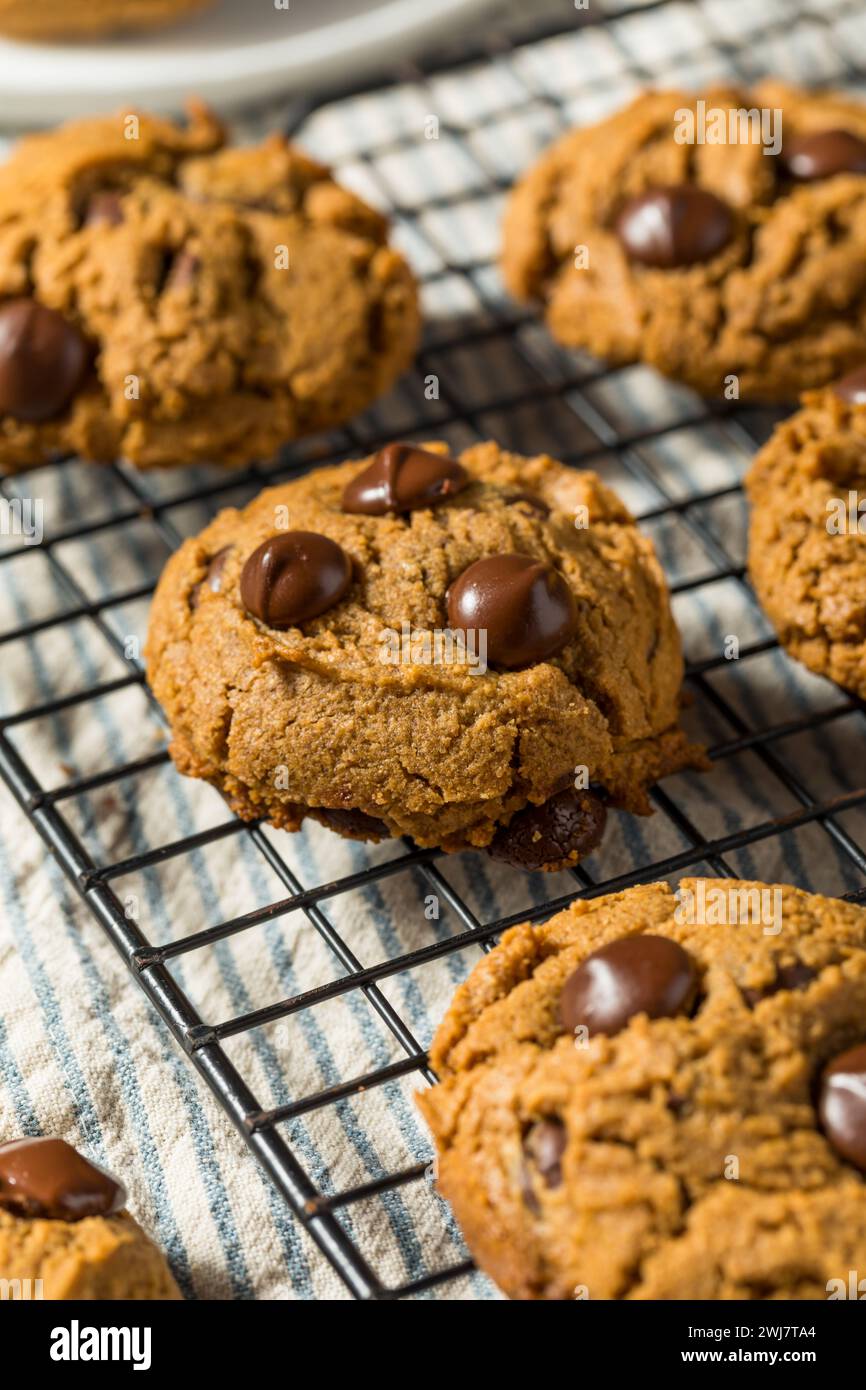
(651, 1097)
(807, 540)
(64, 1233)
(473, 652)
(167, 299)
(649, 241)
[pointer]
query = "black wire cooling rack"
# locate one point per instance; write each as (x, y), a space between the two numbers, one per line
(562, 382)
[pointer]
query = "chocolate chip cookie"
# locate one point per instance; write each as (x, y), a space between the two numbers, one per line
(807, 540)
(660, 1097)
(78, 19)
(64, 1232)
(473, 651)
(169, 299)
(649, 242)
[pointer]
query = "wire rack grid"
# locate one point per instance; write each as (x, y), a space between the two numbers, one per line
(497, 375)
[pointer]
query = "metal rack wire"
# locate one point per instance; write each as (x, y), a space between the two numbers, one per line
(570, 383)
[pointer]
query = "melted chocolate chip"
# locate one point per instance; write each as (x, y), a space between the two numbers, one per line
(823, 153)
(641, 974)
(213, 578)
(43, 358)
(545, 1145)
(795, 976)
(183, 270)
(672, 227)
(357, 825)
(543, 1148)
(842, 1104)
(402, 478)
(524, 605)
(104, 208)
(852, 388)
(294, 577)
(216, 567)
(559, 833)
(48, 1178)
(678, 1105)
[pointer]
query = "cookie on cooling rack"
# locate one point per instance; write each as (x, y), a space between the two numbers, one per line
(79, 19)
(635, 1105)
(807, 539)
(472, 651)
(166, 299)
(63, 1223)
(704, 260)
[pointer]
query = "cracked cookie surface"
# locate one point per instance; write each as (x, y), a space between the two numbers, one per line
(781, 303)
(807, 537)
(64, 19)
(222, 300)
(311, 720)
(606, 1170)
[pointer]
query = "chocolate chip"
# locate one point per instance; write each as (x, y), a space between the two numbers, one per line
(357, 825)
(524, 605)
(823, 153)
(43, 358)
(842, 1104)
(635, 975)
(852, 388)
(543, 1148)
(795, 976)
(559, 833)
(215, 569)
(104, 209)
(294, 577)
(402, 478)
(530, 500)
(48, 1178)
(672, 227)
(213, 578)
(183, 270)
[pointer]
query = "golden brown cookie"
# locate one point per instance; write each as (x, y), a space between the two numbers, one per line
(652, 1097)
(301, 651)
(80, 19)
(169, 299)
(64, 1233)
(704, 260)
(807, 539)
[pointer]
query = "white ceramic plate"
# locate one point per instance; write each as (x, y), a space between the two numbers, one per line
(239, 51)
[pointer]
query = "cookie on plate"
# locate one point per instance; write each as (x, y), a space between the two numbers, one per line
(168, 299)
(472, 652)
(79, 19)
(704, 260)
(807, 539)
(639, 1101)
(64, 1232)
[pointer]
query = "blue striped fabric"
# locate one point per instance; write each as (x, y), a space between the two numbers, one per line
(81, 1054)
